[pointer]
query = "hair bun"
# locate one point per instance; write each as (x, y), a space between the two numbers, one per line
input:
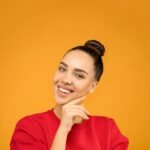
(96, 46)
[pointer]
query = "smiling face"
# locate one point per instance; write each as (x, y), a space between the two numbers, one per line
(74, 77)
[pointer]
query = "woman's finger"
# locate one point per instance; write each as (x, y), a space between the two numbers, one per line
(75, 101)
(79, 107)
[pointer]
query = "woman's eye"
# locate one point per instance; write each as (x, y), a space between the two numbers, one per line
(80, 76)
(61, 69)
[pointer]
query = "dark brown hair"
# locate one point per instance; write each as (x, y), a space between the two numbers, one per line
(96, 50)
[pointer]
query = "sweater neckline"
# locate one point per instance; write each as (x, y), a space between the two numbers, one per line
(75, 126)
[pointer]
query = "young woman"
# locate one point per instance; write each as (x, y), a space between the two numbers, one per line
(69, 126)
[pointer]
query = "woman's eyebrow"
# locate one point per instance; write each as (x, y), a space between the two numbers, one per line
(76, 69)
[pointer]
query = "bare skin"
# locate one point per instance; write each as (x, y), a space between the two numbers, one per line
(71, 113)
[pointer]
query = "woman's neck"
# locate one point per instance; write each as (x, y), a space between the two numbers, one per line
(57, 110)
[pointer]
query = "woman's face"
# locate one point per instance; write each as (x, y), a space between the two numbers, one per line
(74, 77)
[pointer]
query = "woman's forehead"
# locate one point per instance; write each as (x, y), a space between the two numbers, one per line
(78, 59)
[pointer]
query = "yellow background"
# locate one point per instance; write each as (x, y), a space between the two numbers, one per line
(34, 34)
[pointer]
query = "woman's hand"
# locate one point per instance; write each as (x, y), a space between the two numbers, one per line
(73, 113)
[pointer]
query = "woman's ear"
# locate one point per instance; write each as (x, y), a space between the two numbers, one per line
(93, 86)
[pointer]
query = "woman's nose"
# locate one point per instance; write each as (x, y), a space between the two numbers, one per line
(67, 79)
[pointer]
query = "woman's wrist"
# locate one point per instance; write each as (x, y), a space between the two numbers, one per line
(64, 129)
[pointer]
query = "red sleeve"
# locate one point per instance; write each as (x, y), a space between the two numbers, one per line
(27, 136)
(118, 141)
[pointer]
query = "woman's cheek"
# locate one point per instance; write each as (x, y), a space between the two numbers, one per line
(57, 77)
(82, 88)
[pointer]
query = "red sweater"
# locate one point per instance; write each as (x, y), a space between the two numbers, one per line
(36, 132)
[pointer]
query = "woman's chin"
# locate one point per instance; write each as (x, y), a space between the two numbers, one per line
(61, 101)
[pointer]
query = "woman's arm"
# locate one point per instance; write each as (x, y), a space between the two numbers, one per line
(59, 142)
(26, 137)
(118, 140)
(69, 114)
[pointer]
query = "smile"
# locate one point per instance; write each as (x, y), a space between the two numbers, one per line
(63, 92)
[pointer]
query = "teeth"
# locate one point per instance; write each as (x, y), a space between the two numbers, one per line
(64, 90)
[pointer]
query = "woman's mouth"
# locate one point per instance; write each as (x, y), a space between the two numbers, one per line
(63, 92)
